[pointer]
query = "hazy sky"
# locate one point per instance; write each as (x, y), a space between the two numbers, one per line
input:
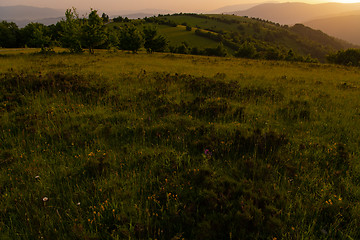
(113, 5)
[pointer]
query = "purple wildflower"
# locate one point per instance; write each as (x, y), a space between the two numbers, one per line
(207, 153)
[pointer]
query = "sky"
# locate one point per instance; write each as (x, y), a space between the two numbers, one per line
(115, 5)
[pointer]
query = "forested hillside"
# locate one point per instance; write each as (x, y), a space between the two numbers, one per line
(212, 35)
(271, 40)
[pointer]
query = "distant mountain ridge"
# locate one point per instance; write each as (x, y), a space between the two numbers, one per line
(22, 15)
(343, 27)
(340, 20)
(237, 7)
(295, 12)
(29, 13)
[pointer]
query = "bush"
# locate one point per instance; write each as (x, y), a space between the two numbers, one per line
(349, 57)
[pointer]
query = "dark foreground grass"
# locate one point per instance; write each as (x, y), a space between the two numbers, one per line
(145, 154)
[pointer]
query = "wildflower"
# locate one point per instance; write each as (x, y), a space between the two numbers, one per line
(208, 153)
(45, 199)
(37, 177)
(78, 204)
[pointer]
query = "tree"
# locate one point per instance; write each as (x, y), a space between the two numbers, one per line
(246, 50)
(9, 35)
(273, 54)
(93, 31)
(54, 31)
(130, 39)
(71, 31)
(183, 48)
(105, 18)
(219, 51)
(349, 57)
(290, 56)
(154, 43)
(118, 19)
(42, 40)
(112, 40)
(37, 35)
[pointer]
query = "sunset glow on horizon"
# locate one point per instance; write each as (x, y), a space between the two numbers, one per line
(347, 1)
(135, 5)
(185, 5)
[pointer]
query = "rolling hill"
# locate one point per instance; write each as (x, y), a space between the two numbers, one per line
(233, 31)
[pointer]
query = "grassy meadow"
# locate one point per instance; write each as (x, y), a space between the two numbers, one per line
(177, 35)
(162, 146)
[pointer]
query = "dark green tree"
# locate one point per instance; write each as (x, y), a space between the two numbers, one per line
(9, 35)
(105, 18)
(290, 56)
(219, 51)
(349, 57)
(130, 39)
(93, 31)
(153, 42)
(118, 19)
(70, 36)
(273, 54)
(112, 40)
(37, 35)
(246, 50)
(183, 48)
(55, 30)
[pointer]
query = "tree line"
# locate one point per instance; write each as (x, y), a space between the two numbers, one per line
(349, 57)
(77, 34)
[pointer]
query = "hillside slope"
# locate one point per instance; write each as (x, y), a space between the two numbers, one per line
(234, 31)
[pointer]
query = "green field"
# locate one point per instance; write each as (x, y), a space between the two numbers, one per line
(163, 146)
(177, 35)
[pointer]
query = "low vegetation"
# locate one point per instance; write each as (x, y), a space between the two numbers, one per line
(349, 57)
(164, 146)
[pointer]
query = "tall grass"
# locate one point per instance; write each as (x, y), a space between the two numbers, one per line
(162, 146)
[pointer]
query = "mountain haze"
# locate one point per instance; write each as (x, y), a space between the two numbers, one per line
(291, 13)
(28, 12)
(343, 27)
(22, 15)
(237, 7)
